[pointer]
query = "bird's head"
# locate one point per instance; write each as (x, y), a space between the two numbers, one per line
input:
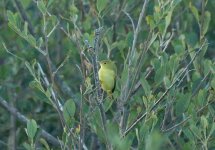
(107, 64)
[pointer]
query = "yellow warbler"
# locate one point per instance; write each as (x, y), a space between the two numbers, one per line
(107, 76)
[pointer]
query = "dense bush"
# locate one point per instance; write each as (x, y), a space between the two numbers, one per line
(50, 95)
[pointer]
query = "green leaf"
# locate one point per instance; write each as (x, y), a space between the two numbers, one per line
(30, 69)
(207, 65)
(178, 46)
(195, 12)
(31, 128)
(115, 139)
(173, 64)
(146, 86)
(161, 26)
(54, 20)
(69, 110)
(124, 75)
(50, 3)
(43, 142)
(212, 69)
(107, 104)
(14, 22)
(202, 94)
(42, 7)
(204, 122)
(195, 130)
(191, 39)
(153, 38)
(167, 82)
(37, 85)
(11, 18)
(150, 21)
(168, 20)
(159, 75)
(95, 124)
(40, 42)
(213, 83)
(211, 130)
(100, 4)
(26, 28)
(39, 92)
(154, 141)
(182, 101)
(188, 134)
(31, 40)
(27, 146)
(207, 19)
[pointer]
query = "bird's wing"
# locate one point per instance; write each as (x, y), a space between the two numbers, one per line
(114, 85)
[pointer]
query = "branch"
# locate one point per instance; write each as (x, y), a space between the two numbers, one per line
(162, 97)
(57, 103)
(24, 120)
(95, 64)
(129, 83)
(96, 78)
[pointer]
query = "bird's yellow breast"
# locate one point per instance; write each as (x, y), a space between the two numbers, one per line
(107, 79)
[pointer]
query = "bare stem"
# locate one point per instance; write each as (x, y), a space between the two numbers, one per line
(97, 83)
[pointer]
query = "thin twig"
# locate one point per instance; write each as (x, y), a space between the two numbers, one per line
(24, 120)
(167, 42)
(8, 51)
(166, 114)
(177, 125)
(132, 22)
(136, 32)
(201, 82)
(53, 29)
(60, 66)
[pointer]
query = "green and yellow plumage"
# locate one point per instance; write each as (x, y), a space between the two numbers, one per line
(107, 76)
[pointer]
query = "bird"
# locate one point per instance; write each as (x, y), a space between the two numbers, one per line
(107, 76)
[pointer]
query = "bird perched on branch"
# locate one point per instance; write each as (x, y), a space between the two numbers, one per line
(107, 76)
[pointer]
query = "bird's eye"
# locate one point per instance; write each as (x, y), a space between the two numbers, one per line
(105, 63)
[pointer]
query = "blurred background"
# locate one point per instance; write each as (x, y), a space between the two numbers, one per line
(46, 74)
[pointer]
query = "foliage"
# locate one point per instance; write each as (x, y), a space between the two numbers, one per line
(164, 96)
